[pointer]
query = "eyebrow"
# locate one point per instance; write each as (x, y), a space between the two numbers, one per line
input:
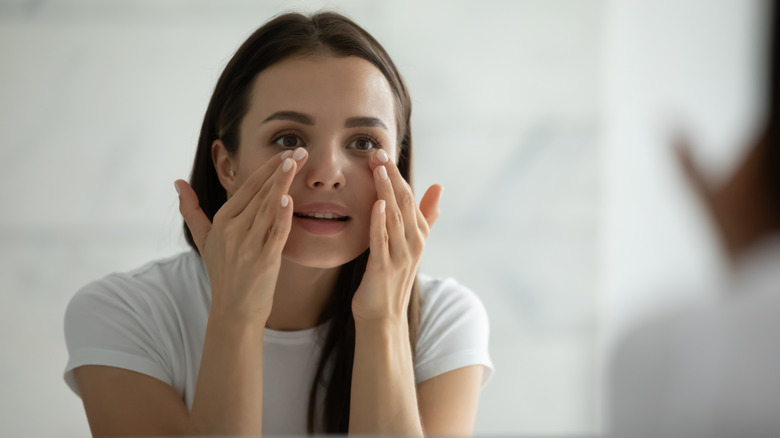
(352, 122)
(292, 116)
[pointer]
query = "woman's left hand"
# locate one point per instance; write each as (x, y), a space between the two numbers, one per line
(397, 236)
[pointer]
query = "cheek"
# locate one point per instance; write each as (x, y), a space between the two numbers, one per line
(366, 189)
(251, 157)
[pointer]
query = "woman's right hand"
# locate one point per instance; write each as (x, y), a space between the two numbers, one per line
(242, 249)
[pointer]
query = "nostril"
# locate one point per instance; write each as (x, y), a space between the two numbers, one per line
(319, 184)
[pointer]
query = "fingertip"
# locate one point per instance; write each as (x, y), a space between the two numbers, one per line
(382, 172)
(378, 158)
(439, 190)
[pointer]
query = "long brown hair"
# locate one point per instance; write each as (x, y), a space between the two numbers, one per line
(281, 38)
(772, 168)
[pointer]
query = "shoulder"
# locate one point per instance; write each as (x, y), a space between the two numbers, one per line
(446, 304)
(133, 320)
(454, 328)
(445, 295)
(149, 299)
(156, 282)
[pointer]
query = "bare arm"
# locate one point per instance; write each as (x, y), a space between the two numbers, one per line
(242, 253)
(383, 399)
(119, 402)
(228, 398)
(448, 402)
(229, 393)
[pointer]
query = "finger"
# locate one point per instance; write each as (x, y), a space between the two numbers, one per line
(394, 220)
(266, 214)
(189, 207)
(249, 215)
(403, 193)
(276, 236)
(378, 238)
(253, 184)
(429, 205)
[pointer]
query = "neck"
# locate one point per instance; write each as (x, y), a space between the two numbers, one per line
(300, 296)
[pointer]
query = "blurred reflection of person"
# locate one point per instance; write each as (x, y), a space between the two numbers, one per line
(713, 369)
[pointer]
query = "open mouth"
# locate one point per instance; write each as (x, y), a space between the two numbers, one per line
(322, 216)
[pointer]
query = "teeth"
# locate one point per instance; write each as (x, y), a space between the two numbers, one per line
(321, 215)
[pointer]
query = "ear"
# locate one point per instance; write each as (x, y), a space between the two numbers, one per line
(225, 167)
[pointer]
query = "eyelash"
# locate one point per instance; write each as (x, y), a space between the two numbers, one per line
(377, 144)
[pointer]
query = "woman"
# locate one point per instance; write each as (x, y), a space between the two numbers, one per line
(299, 309)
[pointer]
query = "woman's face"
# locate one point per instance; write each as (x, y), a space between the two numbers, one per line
(340, 109)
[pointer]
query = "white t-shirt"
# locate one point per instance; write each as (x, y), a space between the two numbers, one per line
(709, 369)
(153, 321)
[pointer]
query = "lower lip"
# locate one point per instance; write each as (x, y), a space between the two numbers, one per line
(321, 227)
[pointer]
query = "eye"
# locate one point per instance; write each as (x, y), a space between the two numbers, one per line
(289, 141)
(364, 144)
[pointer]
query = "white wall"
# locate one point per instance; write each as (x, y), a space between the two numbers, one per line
(100, 106)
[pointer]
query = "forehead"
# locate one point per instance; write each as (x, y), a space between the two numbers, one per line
(327, 87)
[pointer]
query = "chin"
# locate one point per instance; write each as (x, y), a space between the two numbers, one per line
(322, 258)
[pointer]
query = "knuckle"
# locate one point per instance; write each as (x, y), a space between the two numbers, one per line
(417, 244)
(381, 238)
(231, 245)
(425, 230)
(277, 231)
(406, 200)
(392, 170)
(228, 230)
(219, 219)
(259, 201)
(245, 258)
(396, 218)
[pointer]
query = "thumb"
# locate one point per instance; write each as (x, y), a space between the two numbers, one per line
(197, 221)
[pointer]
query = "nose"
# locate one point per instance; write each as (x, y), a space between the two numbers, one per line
(325, 168)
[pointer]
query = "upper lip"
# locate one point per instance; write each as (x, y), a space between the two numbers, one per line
(322, 207)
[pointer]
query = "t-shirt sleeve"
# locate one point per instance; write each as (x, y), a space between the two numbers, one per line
(454, 330)
(104, 325)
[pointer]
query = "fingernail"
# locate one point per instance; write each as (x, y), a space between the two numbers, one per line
(175, 186)
(287, 165)
(382, 156)
(286, 155)
(382, 206)
(285, 201)
(299, 154)
(382, 172)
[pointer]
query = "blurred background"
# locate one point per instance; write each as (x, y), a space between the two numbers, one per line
(548, 122)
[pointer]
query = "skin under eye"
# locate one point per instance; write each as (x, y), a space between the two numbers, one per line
(288, 141)
(364, 144)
